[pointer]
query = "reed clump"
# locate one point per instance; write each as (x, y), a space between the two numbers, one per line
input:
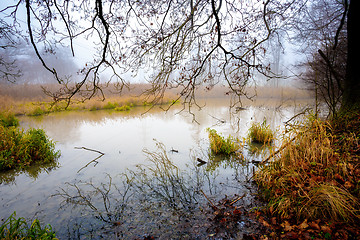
(314, 176)
(261, 133)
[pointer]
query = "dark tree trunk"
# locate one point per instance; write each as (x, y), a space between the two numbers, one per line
(351, 95)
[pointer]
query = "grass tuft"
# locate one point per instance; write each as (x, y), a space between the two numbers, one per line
(261, 133)
(313, 177)
(220, 145)
(20, 149)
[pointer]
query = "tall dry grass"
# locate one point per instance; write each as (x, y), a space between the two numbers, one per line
(309, 178)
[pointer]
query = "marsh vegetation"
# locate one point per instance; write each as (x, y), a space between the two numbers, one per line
(303, 168)
(157, 184)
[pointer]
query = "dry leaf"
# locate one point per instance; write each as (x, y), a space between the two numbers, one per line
(314, 225)
(348, 185)
(273, 221)
(287, 227)
(303, 225)
(325, 228)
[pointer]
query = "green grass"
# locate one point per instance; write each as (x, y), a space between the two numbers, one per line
(18, 228)
(220, 145)
(20, 149)
(8, 120)
(261, 133)
(123, 108)
(110, 105)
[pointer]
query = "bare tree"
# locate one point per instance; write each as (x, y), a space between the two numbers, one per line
(181, 44)
(328, 30)
(8, 69)
(326, 43)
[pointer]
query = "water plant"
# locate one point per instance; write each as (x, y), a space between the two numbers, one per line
(18, 228)
(20, 149)
(220, 145)
(261, 133)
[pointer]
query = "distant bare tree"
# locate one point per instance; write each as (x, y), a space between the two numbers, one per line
(326, 41)
(327, 31)
(8, 69)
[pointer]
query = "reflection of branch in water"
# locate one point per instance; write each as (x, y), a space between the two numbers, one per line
(106, 201)
(92, 150)
(219, 121)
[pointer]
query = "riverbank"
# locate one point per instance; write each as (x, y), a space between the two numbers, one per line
(312, 185)
(30, 99)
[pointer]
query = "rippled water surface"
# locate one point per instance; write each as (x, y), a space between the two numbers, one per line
(127, 192)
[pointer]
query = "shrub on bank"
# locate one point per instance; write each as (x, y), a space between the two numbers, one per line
(20, 149)
(8, 120)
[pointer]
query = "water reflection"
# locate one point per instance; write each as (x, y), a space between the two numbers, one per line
(33, 171)
(162, 199)
(157, 199)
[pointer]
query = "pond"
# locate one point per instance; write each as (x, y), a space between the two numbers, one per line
(129, 175)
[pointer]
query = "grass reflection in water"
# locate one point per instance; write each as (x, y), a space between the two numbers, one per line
(153, 198)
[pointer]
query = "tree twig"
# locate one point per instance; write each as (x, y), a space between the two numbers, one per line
(89, 149)
(212, 204)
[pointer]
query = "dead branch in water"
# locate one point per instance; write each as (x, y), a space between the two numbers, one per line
(94, 160)
(89, 149)
(212, 204)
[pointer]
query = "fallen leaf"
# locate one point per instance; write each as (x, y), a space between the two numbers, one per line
(303, 225)
(271, 209)
(325, 228)
(287, 227)
(348, 185)
(291, 235)
(273, 221)
(236, 212)
(339, 178)
(263, 222)
(273, 234)
(314, 225)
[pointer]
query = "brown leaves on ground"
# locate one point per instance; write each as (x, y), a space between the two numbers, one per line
(228, 221)
(316, 229)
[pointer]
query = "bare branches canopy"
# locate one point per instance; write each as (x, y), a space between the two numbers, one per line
(178, 44)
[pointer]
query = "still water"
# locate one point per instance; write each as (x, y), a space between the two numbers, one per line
(145, 181)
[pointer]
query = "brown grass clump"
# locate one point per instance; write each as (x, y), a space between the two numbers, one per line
(312, 177)
(261, 133)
